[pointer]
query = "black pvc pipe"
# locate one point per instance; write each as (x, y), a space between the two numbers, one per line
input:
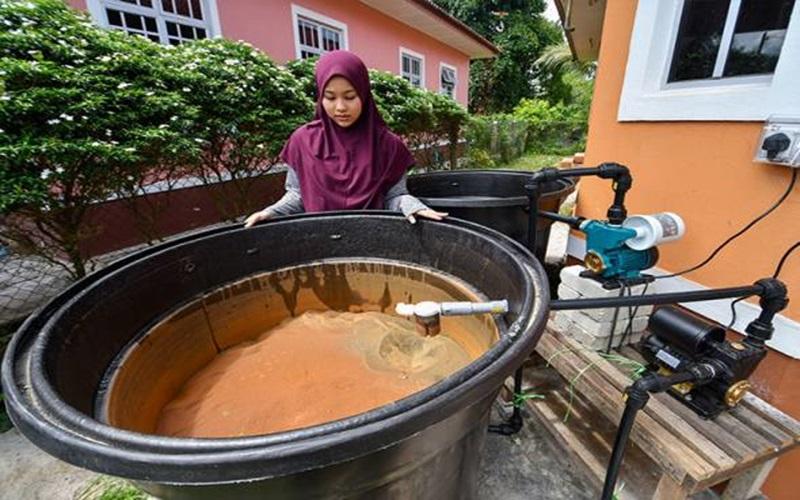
(638, 396)
(658, 298)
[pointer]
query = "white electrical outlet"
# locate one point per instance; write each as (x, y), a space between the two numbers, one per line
(780, 142)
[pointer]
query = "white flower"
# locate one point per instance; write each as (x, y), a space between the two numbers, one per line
(45, 173)
(148, 94)
(163, 126)
(198, 140)
(2, 131)
(130, 150)
(123, 85)
(54, 121)
(186, 89)
(5, 97)
(105, 58)
(59, 170)
(67, 117)
(96, 144)
(108, 132)
(231, 62)
(114, 142)
(173, 118)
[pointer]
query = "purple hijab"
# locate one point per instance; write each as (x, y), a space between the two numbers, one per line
(345, 168)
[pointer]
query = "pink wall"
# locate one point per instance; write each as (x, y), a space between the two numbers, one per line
(376, 38)
(373, 36)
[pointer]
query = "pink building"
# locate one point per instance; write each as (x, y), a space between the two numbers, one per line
(411, 38)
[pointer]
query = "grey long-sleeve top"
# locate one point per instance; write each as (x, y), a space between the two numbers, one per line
(397, 198)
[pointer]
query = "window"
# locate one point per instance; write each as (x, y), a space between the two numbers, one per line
(728, 38)
(447, 80)
(412, 67)
(163, 21)
(316, 34)
(712, 60)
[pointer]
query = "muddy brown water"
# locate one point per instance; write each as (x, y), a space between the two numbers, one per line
(290, 349)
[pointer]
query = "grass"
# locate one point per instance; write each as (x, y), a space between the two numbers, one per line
(532, 161)
(109, 488)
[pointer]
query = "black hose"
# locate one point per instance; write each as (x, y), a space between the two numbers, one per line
(657, 298)
(638, 396)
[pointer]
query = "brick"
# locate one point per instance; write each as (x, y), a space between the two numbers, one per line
(601, 315)
(570, 276)
(570, 329)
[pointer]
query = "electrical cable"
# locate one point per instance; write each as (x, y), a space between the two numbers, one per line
(614, 318)
(785, 256)
(738, 233)
(775, 275)
(733, 312)
(632, 311)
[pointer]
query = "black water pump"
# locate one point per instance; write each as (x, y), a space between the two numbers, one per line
(679, 340)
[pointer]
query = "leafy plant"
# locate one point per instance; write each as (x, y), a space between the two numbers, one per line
(247, 106)
(83, 113)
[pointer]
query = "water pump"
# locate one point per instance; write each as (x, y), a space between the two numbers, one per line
(623, 251)
(679, 340)
(621, 247)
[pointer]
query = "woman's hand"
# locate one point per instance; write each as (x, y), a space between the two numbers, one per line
(255, 218)
(427, 214)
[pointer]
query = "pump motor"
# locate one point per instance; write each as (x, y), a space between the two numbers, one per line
(678, 340)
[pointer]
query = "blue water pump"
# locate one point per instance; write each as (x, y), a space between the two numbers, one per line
(608, 256)
(621, 247)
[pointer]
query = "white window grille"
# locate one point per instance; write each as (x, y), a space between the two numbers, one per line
(447, 80)
(164, 21)
(412, 67)
(316, 34)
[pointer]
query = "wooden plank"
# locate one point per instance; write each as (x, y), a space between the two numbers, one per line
(674, 456)
(748, 484)
(657, 409)
(756, 422)
(588, 436)
(668, 489)
(726, 440)
(774, 415)
(745, 434)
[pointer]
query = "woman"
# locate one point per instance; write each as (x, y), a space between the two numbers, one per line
(347, 158)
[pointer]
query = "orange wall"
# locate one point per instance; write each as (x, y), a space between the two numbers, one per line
(704, 172)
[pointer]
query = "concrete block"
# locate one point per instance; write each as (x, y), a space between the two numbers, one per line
(574, 331)
(603, 329)
(601, 315)
(570, 277)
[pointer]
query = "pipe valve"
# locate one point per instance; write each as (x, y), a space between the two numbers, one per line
(427, 314)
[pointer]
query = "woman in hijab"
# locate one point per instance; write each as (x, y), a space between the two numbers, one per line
(346, 158)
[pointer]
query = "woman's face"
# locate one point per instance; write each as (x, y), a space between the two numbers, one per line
(341, 101)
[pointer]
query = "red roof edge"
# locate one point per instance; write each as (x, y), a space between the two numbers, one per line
(456, 23)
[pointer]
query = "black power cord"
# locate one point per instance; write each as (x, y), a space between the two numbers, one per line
(777, 273)
(740, 232)
(785, 256)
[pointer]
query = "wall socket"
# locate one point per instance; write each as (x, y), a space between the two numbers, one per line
(780, 142)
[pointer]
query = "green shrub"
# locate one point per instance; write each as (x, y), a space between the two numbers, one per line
(83, 113)
(247, 106)
(500, 138)
(554, 129)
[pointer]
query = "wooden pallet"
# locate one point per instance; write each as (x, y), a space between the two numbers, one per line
(672, 451)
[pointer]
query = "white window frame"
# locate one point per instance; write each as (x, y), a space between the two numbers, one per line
(646, 96)
(411, 53)
(443, 65)
(298, 12)
(97, 10)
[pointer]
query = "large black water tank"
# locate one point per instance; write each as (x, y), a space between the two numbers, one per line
(493, 198)
(428, 445)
